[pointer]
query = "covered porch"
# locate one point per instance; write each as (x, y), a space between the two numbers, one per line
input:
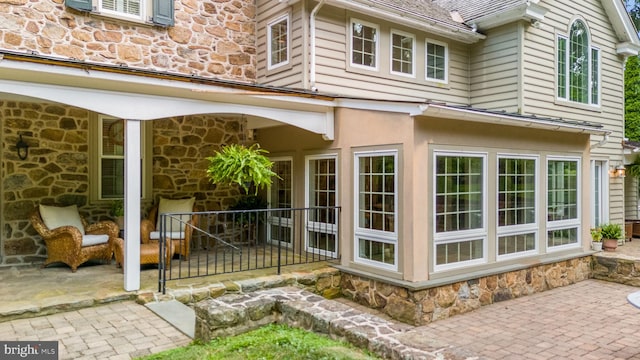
(40, 91)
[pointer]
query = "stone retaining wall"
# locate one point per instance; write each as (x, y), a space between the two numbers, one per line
(324, 282)
(618, 268)
(420, 307)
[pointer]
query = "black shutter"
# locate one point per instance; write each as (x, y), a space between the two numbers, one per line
(163, 12)
(82, 5)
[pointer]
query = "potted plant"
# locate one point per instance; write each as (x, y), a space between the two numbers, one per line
(241, 165)
(117, 211)
(596, 239)
(611, 233)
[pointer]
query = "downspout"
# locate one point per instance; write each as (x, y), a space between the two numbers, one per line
(312, 45)
(604, 140)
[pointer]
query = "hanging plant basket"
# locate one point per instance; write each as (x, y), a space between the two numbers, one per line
(241, 165)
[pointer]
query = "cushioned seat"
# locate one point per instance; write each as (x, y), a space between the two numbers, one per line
(178, 229)
(70, 239)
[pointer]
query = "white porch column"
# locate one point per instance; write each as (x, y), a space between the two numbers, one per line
(132, 195)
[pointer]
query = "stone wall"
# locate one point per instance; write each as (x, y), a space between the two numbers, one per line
(57, 168)
(420, 307)
(616, 267)
(210, 38)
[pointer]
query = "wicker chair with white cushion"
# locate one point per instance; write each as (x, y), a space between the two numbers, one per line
(179, 231)
(70, 239)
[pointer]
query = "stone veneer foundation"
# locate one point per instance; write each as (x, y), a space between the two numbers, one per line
(424, 305)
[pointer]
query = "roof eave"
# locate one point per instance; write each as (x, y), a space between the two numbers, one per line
(622, 25)
(443, 111)
(422, 23)
(527, 11)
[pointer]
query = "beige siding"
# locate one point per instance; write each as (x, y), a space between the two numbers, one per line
(293, 74)
(334, 75)
(540, 82)
(631, 198)
(494, 70)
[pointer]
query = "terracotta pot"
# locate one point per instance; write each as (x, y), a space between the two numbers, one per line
(609, 244)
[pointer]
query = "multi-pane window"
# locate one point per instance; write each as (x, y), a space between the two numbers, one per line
(364, 44)
(436, 61)
(158, 12)
(280, 227)
(578, 66)
(278, 42)
(460, 229)
(112, 159)
(321, 199)
(376, 208)
(402, 50)
(128, 7)
(517, 228)
(562, 202)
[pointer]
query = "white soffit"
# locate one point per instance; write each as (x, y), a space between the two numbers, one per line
(145, 98)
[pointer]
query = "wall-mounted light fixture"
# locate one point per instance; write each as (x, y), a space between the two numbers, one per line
(619, 171)
(22, 148)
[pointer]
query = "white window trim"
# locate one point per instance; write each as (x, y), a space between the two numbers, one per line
(590, 47)
(446, 61)
(524, 228)
(273, 220)
(95, 149)
(377, 39)
(146, 8)
(604, 176)
(315, 226)
(370, 234)
(464, 235)
(564, 224)
(413, 53)
(274, 21)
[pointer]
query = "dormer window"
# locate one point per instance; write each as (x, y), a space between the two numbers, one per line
(364, 44)
(578, 66)
(278, 42)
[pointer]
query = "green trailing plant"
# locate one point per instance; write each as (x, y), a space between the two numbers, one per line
(241, 165)
(596, 234)
(611, 231)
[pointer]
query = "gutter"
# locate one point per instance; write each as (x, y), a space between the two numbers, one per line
(443, 111)
(399, 16)
(604, 140)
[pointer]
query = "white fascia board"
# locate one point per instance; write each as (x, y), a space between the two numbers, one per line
(434, 27)
(29, 72)
(149, 107)
(441, 111)
(528, 11)
(621, 22)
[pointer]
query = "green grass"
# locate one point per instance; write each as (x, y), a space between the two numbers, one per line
(269, 342)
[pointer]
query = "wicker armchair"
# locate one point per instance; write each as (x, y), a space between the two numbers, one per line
(181, 238)
(64, 244)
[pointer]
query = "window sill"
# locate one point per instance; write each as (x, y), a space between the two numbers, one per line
(575, 105)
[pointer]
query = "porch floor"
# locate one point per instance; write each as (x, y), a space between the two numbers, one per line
(29, 291)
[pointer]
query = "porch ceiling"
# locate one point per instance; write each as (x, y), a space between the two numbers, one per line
(132, 96)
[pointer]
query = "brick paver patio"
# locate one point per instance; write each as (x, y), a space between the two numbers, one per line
(588, 320)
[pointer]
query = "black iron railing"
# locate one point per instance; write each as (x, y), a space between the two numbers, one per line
(219, 242)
